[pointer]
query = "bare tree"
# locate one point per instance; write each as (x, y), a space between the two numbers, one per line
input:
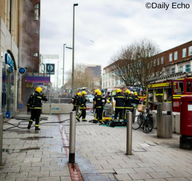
(82, 78)
(134, 64)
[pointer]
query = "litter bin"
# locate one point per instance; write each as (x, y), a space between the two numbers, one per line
(164, 120)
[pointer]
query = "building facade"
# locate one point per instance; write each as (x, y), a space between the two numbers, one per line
(16, 49)
(177, 59)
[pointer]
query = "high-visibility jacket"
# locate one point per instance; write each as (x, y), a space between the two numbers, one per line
(120, 100)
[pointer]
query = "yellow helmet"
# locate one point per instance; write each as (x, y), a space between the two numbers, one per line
(118, 90)
(39, 89)
(79, 93)
(98, 93)
(127, 91)
(135, 93)
(96, 90)
(83, 92)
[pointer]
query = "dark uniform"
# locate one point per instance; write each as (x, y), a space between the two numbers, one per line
(82, 107)
(34, 104)
(100, 101)
(75, 101)
(128, 104)
(135, 99)
(119, 105)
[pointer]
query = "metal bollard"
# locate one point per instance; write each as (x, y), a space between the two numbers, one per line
(72, 136)
(134, 113)
(129, 133)
(1, 138)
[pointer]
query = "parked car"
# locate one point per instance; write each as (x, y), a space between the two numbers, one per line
(90, 98)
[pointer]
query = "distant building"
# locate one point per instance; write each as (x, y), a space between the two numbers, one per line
(95, 70)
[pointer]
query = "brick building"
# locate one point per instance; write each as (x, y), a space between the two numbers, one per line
(174, 60)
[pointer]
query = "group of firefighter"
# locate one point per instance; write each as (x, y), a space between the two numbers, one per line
(123, 102)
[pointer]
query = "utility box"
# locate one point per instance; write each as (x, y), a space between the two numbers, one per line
(186, 122)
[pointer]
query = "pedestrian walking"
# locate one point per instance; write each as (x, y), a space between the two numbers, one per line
(34, 105)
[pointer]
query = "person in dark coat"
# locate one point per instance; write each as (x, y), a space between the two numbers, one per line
(34, 105)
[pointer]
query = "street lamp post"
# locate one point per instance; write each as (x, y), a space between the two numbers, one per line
(73, 47)
(63, 63)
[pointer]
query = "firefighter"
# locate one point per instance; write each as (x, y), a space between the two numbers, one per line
(94, 108)
(128, 102)
(82, 107)
(99, 102)
(75, 103)
(119, 105)
(135, 99)
(34, 104)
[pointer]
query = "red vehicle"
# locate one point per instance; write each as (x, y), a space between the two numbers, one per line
(169, 91)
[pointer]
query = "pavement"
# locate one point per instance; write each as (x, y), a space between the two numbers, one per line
(100, 153)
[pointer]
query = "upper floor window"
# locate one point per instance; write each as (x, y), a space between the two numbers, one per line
(36, 12)
(170, 57)
(36, 54)
(188, 68)
(162, 60)
(190, 50)
(158, 61)
(184, 52)
(180, 69)
(154, 63)
(175, 55)
(172, 70)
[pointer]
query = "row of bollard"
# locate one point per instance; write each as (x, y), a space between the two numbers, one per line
(72, 135)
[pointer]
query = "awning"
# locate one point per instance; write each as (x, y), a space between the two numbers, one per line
(37, 79)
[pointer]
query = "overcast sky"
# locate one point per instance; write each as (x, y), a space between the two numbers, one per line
(104, 27)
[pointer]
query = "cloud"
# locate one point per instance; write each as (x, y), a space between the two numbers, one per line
(111, 25)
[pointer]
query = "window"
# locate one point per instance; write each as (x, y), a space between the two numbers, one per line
(121, 81)
(162, 60)
(180, 69)
(170, 57)
(175, 55)
(184, 52)
(158, 61)
(172, 70)
(36, 12)
(36, 31)
(36, 54)
(178, 87)
(188, 68)
(116, 82)
(190, 51)
(189, 86)
(154, 63)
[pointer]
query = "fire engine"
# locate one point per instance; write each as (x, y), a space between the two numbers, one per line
(169, 89)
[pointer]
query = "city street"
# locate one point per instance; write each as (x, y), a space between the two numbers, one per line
(100, 153)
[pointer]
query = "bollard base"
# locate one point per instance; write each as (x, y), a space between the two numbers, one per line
(71, 157)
